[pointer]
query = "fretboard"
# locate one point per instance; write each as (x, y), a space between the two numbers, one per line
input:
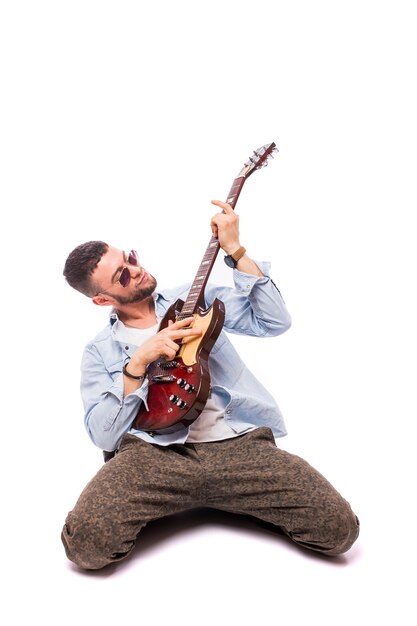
(195, 298)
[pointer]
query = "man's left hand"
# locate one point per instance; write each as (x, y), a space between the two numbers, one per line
(225, 227)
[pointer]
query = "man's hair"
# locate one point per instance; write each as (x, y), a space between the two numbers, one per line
(80, 265)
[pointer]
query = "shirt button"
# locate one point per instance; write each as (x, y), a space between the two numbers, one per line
(126, 347)
(228, 411)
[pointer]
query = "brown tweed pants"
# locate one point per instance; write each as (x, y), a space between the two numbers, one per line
(248, 475)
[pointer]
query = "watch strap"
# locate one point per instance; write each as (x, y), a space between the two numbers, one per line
(238, 254)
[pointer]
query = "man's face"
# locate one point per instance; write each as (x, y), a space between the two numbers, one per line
(107, 274)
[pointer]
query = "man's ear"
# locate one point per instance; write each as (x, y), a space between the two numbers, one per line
(102, 300)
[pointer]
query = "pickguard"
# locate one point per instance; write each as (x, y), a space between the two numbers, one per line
(189, 349)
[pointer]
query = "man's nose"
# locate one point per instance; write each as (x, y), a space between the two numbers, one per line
(134, 270)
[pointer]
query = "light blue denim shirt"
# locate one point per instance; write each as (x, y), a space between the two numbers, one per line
(253, 307)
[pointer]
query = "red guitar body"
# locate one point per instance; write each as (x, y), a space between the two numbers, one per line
(178, 389)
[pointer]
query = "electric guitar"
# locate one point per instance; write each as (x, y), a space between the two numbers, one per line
(178, 389)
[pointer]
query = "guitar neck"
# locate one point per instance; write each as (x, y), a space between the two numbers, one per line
(195, 298)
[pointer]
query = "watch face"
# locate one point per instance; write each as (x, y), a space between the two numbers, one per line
(230, 261)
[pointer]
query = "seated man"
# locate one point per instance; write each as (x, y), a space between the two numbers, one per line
(227, 458)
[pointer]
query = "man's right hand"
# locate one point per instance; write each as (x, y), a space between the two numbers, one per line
(162, 344)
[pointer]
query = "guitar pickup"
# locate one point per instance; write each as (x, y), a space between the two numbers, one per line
(168, 365)
(163, 378)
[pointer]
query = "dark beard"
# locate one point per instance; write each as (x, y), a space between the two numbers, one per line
(140, 294)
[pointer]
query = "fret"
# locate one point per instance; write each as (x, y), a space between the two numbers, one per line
(235, 190)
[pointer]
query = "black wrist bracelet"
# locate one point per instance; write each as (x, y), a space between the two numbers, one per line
(126, 373)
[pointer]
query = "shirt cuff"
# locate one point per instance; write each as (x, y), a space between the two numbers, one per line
(244, 282)
(117, 390)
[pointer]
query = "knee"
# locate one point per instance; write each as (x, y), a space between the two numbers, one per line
(341, 531)
(92, 545)
(331, 529)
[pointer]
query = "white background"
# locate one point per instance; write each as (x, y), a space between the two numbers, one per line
(121, 121)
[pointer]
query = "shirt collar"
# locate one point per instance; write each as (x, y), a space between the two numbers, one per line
(114, 318)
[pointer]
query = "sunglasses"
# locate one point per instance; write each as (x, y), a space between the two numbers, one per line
(132, 259)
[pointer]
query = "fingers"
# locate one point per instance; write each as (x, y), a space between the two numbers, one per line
(184, 322)
(172, 337)
(225, 227)
(181, 329)
(166, 342)
(178, 324)
(169, 349)
(216, 219)
(223, 205)
(227, 218)
(187, 332)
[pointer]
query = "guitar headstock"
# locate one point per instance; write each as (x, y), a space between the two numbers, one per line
(259, 159)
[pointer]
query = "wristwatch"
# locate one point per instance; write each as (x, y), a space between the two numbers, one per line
(232, 259)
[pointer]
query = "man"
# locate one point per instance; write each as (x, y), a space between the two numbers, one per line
(227, 459)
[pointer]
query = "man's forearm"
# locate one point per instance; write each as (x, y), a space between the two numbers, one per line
(247, 266)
